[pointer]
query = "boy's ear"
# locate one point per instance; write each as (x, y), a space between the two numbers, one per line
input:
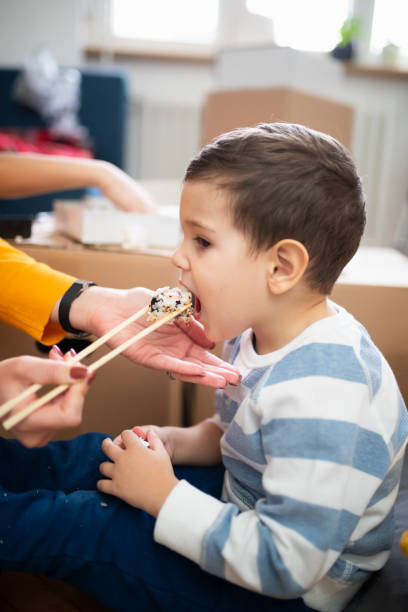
(288, 260)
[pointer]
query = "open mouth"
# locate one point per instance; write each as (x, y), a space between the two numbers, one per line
(195, 300)
(197, 306)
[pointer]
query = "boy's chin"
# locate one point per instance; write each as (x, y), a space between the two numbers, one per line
(213, 335)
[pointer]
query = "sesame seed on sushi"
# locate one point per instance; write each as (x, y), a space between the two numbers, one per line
(171, 299)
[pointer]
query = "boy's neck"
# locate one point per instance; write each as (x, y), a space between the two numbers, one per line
(289, 317)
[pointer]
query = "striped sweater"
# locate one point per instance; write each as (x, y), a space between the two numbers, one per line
(313, 445)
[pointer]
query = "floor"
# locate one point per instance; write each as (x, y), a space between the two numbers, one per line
(32, 593)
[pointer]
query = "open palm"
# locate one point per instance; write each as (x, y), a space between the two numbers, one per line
(177, 348)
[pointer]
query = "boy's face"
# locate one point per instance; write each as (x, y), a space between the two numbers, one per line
(216, 266)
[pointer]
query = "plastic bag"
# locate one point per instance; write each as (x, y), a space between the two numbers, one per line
(54, 93)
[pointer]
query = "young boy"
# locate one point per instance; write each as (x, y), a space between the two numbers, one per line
(312, 441)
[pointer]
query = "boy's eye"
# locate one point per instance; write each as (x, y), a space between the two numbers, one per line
(202, 242)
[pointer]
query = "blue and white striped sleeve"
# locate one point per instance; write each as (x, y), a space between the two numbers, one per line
(326, 454)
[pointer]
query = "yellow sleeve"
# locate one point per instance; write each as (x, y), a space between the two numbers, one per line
(28, 292)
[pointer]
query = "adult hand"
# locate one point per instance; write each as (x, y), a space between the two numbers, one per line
(19, 373)
(177, 348)
(123, 191)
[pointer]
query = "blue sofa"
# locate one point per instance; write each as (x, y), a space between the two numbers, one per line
(103, 111)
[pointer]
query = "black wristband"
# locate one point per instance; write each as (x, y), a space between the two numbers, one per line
(66, 302)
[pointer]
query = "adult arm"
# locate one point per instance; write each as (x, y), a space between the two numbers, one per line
(28, 292)
(24, 175)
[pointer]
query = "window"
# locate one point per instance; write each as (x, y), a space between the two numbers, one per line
(311, 25)
(389, 26)
(192, 26)
(177, 21)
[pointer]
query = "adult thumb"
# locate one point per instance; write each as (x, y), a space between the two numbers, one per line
(51, 372)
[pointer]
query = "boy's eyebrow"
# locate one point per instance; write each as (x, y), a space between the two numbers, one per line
(193, 223)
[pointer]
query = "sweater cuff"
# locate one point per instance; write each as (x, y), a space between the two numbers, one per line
(184, 519)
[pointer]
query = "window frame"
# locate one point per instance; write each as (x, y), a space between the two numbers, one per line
(98, 28)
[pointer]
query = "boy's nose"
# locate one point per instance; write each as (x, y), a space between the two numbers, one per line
(178, 258)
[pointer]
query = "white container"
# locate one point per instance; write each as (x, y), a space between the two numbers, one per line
(97, 221)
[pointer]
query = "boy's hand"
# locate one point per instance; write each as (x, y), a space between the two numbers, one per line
(143, 477)
(141, 432)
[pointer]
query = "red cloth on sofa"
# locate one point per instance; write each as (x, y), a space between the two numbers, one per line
(40, 141)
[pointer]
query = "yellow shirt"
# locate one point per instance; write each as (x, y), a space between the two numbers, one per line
(28, 292)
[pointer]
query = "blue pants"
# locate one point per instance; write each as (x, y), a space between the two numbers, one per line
(53, 521)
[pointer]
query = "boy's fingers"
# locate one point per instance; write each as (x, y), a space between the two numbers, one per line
(106, 468)
(154, 441)
(105, 486)
(118, 441)
(139, 432)
(129, 437)
(110, 449)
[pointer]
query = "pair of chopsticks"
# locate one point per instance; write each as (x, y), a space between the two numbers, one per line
(22, 414)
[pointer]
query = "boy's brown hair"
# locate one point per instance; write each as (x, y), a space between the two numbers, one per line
(288, 181)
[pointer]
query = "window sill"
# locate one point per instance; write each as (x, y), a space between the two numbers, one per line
(95, 51)
(375, 71)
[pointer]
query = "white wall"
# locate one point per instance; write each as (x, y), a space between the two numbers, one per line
(28, 24)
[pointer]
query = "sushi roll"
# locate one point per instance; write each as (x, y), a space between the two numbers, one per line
(166, 300)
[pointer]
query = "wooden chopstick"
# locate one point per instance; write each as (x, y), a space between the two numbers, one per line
(22, 414)
(7, 406)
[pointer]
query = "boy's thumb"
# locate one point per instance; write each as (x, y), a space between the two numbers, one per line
(154, 440)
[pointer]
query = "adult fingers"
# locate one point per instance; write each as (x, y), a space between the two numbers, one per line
(32, 440)
(231, 377)
(52, 372)
(72, 404)
(195, 331)
(212, 360)
(208, 379)
(55, 353)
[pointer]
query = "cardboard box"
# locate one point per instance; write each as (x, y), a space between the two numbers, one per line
(374, 288)
(123, 394)
(227, 110)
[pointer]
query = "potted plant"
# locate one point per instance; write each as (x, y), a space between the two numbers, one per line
(349, 31)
